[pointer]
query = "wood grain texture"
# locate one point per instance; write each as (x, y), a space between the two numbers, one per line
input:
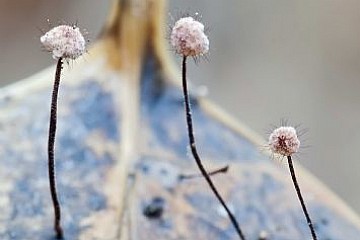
(259, 191)
(122, 146)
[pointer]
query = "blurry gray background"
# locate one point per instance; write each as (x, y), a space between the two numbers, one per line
(270, 59)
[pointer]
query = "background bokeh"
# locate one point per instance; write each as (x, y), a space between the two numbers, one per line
(273, 59)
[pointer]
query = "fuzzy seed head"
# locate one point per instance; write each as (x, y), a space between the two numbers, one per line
(188, 37)
(284, 141)
(64, 41)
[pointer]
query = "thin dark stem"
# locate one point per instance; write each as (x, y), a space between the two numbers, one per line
(196, 155)
(51, 154)
(297, 188)
(211, 173)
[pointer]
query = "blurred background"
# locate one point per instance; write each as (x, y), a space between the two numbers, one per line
(273, 59)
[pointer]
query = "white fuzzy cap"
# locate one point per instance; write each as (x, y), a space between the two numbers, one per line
(188, 37)
(284, 141)
(64, 41)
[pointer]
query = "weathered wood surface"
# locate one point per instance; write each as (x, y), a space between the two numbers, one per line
(121, 147)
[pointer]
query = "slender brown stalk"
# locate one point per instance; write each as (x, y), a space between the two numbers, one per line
(297, 188)
(211, 173)
(196, 155)
(51, 153)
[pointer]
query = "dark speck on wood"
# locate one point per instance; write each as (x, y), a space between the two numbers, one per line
(154, 208)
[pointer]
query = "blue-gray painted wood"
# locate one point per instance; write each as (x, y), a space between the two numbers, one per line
(259, 192)
(80, 172)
